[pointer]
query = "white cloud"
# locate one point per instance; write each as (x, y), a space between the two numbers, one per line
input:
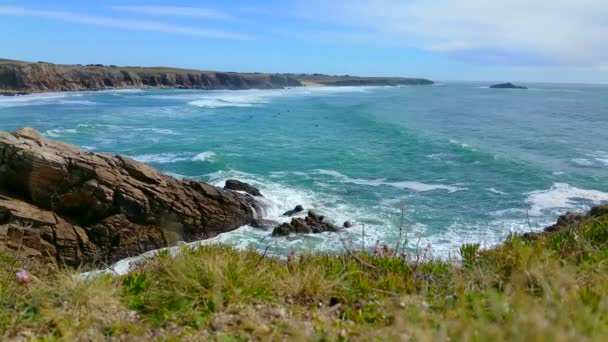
(128, 24)
(454, 45)
(195, 12)
(572, 32)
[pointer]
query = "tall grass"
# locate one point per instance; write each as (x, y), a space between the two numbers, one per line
(549, 289)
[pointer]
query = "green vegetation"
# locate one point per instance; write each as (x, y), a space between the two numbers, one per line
(550, 289)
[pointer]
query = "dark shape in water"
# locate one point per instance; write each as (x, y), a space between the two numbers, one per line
(507, 85)
(294, 211)
(312, 224)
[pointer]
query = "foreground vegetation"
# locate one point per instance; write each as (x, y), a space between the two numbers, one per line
(552, 289)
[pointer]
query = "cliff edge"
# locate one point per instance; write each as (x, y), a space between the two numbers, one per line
(17, 78)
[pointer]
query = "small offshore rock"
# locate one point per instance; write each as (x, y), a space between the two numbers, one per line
(236, 185)
(264, 223)
(507, 85)
(294, 211)
(347, 224)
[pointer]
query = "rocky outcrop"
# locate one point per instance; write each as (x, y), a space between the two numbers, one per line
(312, 223)
(507, 86)
(236, 185)
(568, 220)
(22, 77)
(72, 206)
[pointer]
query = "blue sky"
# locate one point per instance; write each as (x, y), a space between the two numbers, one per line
(510, 40)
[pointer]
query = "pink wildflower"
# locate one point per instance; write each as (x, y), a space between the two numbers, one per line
(427, 249)
(23, 278)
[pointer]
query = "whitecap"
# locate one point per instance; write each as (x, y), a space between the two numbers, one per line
(599, 156)
(204, 156)
(59, 132)
(78, 102)
(423, 187)
(163, 131)
(407, 185)
(30, 100)
(582, 162)
(254, 97)
(161, 158)
(437, 156)
(563, 196)
(463, 145)
(493, 190)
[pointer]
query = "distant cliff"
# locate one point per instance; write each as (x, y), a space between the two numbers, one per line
(18, 77)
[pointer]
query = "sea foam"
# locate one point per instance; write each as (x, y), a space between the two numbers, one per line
(204, 156)
(174, 157)
(405, 185)
(59, 132)
(563, 196)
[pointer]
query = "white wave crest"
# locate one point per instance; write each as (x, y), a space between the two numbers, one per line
(30, 100)
(161, 158)
(494, 190)
(59, 132)
(406, 185)
(582, 162)
(204, 156)
(174, 157)
(563, 196)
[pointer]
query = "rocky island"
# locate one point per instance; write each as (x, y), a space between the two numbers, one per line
(18, 77)
(507, 85)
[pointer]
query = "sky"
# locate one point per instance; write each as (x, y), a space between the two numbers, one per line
(470, 40)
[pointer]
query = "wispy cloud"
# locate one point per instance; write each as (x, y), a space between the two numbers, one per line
(559, 31)
(174, 11)
(127, 24)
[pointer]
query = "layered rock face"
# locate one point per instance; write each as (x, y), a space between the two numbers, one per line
(21, 77)
(71, 206)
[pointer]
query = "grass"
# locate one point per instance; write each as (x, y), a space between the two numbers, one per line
(550, 289)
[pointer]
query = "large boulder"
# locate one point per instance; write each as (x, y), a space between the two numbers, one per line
(236, 185)
(312, 223)
(104, 207)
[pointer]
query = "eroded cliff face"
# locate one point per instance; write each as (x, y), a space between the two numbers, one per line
(22, 77)
(63, 204)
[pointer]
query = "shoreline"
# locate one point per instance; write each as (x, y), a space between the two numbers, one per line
(23, 78)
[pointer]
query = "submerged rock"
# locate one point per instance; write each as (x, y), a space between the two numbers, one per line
(74, 206)
(294, 211)
(312, 223)
(507, 85)
(264, 224)
(233, 184)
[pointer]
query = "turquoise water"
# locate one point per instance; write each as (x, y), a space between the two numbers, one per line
(467, 163)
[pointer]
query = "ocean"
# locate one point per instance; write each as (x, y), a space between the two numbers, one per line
(464, 163)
